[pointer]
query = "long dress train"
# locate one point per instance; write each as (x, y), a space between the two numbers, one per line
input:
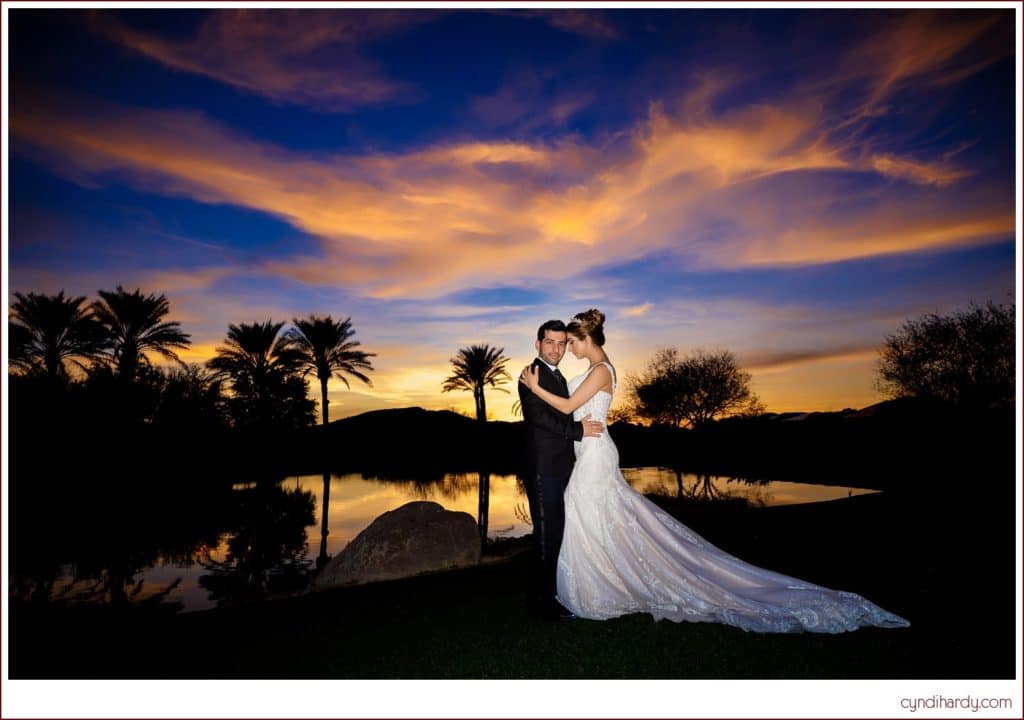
(623, 554)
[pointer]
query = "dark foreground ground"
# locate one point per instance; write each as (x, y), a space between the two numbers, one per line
(945, 561)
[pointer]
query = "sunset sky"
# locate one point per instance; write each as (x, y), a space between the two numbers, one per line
(790, 185)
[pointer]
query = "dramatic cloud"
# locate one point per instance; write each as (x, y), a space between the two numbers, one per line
(425, 221)
(582, 22)
(638, 310)
(528, 103)
(908, 53)
(308, 57)
(700, 202)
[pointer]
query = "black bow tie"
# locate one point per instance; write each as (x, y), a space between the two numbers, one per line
(558, 374)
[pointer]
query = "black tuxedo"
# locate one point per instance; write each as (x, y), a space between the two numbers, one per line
(547, 464)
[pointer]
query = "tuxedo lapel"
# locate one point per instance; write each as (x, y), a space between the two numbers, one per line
(549, 381)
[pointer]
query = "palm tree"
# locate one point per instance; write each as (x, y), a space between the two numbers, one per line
(133, 324)
(46, 331)
(191, 398)
(260, 365)
(326, 350)
(475, 367)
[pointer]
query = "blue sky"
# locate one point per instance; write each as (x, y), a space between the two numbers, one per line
(790, 185)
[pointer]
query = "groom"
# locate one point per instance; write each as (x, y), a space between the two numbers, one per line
(547, 464)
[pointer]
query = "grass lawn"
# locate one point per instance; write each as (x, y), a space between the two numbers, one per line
(944, 564)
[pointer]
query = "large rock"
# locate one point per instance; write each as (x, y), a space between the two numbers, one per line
(419, 537)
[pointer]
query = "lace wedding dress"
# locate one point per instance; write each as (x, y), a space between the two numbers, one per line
(623, 554)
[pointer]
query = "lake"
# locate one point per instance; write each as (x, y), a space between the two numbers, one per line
(272, 537)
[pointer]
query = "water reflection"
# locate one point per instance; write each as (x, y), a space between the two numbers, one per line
(325, 503)
(356, 500)
(195, 545)
(266, 548)
(108, 542)
(484, 492)
(703, 487)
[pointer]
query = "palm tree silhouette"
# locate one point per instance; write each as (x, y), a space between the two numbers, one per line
(133, 323)
(258, 362)
(325, 349)
(475, 367)
(47, 331)
(191, 397)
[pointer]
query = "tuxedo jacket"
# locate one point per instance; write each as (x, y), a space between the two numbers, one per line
(549, 433)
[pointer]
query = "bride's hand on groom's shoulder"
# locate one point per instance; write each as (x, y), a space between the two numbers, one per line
(528, 377)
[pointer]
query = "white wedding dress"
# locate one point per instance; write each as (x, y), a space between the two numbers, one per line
(623, 554)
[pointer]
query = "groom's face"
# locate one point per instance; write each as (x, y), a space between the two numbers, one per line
(552, 347)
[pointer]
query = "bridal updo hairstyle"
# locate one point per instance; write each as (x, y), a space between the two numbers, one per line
(588, 324)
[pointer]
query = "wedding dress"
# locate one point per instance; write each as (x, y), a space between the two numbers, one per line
(623, 554)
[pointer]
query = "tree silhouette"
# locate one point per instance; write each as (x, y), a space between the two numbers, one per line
(692, 390)
(326, 350)
(191, 398)
(476, 367)
(264, 371)
(266, 550)
(134, 325)
(19, 346)
(659, 392)
(966, 358)
(47, 332)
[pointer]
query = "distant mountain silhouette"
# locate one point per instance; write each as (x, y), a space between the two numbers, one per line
(402, 417)
(414, 440)
(871, 446)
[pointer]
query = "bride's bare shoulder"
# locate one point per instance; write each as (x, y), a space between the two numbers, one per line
(611, 368)
(602, 371)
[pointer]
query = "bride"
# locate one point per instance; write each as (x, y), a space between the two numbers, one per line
(623, 554)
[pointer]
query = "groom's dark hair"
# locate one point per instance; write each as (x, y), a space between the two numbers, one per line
(556, 325)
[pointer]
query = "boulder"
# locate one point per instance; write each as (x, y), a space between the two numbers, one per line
(419, 537)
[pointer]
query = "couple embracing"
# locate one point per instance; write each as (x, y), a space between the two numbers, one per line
(604, 550)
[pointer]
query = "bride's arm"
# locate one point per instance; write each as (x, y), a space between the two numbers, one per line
(598, 378)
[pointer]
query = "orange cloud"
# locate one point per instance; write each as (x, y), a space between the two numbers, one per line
(827, 384)
(638, 310)
(917, 47)
(271, 53)
(939, 174)
(528, 101)
(921, 45)
(753, 187)
(817, 243)
(763, 364)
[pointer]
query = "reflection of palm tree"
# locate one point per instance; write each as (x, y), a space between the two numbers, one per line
(46, 331)
(326, 350)
(325, 506)
(483, 505)
(522, 513)
(475, 367)
(111, 532)
(449, 486)
(268, 546)
(134, 325)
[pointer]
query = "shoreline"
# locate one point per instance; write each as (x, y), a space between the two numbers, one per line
(472, 623)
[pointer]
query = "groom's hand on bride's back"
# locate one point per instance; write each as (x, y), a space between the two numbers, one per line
(591, 428)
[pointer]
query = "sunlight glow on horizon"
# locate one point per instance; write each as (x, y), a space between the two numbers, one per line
(794, 214)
